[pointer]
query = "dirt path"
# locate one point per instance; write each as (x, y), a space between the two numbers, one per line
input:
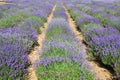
(34, 56)
(99, 72)
(1, 3)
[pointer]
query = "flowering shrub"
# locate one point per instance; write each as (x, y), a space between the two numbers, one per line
(37, 19)
(81, 22)
(105, 45)
(14, 48)
(19, 27)
(86, 28)
(11, 20)
(61, 56)
(60, 13)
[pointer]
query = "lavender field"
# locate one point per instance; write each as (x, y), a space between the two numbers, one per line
(60, 40)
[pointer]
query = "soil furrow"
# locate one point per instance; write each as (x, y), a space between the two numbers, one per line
(99, 72)
(1, 3)
(34, 56)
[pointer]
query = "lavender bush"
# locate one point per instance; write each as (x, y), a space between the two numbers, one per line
(19, 27)
(61, 56)
(60, 13)
(107, 18)
(12, 20)
(88, 27)
(82, 19)
(100, 32)
(37, 19)
(28, 25)
(14, 48)
(105, 45)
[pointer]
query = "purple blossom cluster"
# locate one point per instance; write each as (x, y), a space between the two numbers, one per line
(60, 46)
(105, 45)
(14, 47)
(81, 18)
(60, 12)
(103, 12)
(17, 41)
(43, 10)
(100, 32)
(63, 41)
(40, 13)
(47, 61)
(31, 27)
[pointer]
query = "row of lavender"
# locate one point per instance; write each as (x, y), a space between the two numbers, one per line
(103, 12)
(12, 14)
(62, 58)
(19, 27)
(103, 43)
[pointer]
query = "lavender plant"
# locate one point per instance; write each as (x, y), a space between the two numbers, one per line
(105, 45)
(88, 27)
(100, 32)
(14, 48)
(17, 39)
(37, 19)
(60, 13)
(11, 20)
(61, 56)
(105, 17)
(82, 19)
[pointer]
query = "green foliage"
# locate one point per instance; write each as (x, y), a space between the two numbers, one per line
(112, 60)
(11, 20)
(38, 19)
(54, 31)
(51, 66)
(5, 23)
(53, 52)
(115, 24)
(74, 14)
(22, 15)
(104, 20)
(82, 24)
(89, 26)
(118, 9)
(0, 15)
(97, 15)
(8, 76)
(63, 71)
(111, 12)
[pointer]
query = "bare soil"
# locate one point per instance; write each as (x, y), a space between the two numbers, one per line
(34, 56)
(98, 72)
(1, 3)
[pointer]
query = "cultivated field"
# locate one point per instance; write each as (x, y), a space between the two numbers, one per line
(60, 40)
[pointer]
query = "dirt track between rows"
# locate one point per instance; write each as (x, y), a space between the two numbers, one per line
(34, 56)
(99, 72)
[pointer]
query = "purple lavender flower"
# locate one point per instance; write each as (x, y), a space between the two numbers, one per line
(105, 45)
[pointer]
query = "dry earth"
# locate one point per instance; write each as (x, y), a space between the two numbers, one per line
(1, 3)
(34, 54)
(99, 72)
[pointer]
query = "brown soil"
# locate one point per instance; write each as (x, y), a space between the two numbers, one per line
(1, 3)
(34, 56)
(99, 72)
